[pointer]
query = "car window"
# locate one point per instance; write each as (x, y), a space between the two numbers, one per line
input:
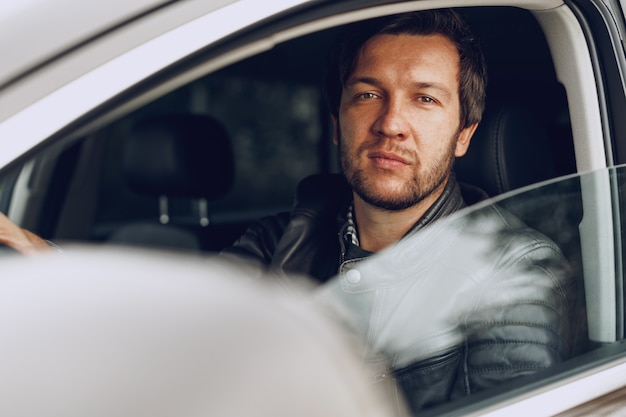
(504, 266)
(275, 136)
(274, 128)
(273, 109)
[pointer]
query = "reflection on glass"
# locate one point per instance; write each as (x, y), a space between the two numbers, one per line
(483, 297)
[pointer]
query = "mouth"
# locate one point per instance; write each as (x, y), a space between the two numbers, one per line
(388, 160)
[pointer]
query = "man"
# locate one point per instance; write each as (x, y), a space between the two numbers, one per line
(404, 105)
(456, 309)
(406, 95)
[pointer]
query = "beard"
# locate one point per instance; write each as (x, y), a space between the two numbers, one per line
(411, 192)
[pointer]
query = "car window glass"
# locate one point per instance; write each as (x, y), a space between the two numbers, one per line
(497, 266)
(275, 133)
(275, 130)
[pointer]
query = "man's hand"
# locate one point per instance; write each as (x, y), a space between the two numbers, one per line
(20, 239)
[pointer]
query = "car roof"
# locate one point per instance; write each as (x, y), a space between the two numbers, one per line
(40, 30)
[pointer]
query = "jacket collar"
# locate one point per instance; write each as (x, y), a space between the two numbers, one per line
(450, 200)
(454, 197)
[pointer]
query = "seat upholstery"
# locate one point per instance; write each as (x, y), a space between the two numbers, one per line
(179, 155)
(186, 156)
(509, 150)
(512, 149)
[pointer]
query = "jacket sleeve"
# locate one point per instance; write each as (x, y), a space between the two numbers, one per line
(260, 240)
(520, 324)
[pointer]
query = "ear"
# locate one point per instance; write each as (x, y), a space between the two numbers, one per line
(335, 129)
(463, 141)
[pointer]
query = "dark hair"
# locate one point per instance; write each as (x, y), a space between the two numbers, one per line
(446, 22)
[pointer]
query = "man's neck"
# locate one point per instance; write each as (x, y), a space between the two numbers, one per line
(379, 228)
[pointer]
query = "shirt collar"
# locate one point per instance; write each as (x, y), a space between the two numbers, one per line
(350, 234)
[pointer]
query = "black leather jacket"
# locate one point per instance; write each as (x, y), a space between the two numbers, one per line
(464, 305)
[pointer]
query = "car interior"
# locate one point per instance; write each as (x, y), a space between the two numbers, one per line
(192, 169)
(269, 109)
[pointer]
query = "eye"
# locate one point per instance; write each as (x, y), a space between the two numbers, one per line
(366, 96)
(426, 99)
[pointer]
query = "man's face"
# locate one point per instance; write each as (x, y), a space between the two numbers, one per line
(399, 120)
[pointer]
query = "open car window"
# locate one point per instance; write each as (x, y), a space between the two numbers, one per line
(272, 108)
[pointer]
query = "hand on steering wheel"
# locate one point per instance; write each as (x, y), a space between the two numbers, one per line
(20, 240)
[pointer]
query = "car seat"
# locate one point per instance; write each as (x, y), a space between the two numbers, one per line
(182, 156)
(510, 149)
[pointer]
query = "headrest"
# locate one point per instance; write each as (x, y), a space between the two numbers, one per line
(179, 155)
(510, 149)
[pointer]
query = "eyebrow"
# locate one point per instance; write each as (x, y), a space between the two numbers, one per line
(420, 85)
(365, 80)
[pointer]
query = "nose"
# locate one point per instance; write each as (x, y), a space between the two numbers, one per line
(392, 122)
